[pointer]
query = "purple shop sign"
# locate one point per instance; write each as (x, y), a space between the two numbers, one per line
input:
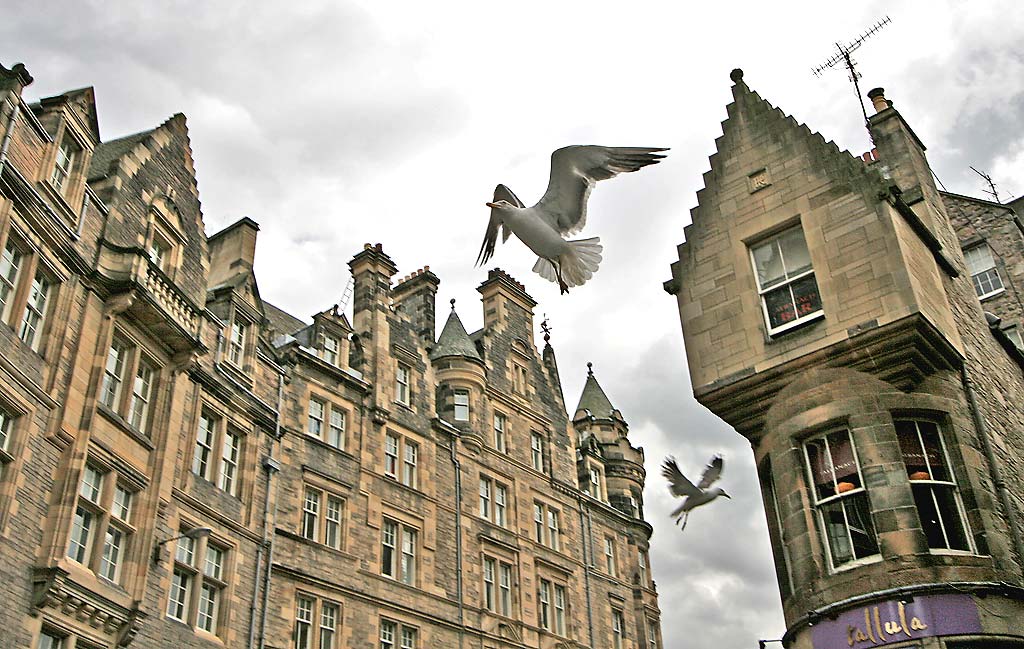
(884, 623)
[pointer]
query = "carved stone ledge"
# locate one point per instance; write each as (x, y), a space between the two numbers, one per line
(53, 588)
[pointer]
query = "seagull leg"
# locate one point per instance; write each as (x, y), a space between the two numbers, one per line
(561, 282)
(684, 518)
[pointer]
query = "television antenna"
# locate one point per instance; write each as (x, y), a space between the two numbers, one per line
(991, 191)
(842, 56)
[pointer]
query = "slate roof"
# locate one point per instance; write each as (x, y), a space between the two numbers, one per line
(594, 399)
(283, 323)
(109, 152)
(454, 341)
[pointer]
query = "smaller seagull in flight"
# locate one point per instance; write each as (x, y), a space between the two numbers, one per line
(693, 496)
(562, 211)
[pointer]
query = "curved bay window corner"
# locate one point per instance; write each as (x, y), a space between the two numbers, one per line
(935, 490)
(837, 489)
(785, 281)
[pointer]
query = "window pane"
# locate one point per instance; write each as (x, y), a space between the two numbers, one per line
(328, 625)
(229, 462)
(92, 483)
(81, 528)
(408, 556)
(113, 374)
(111, 559)
(315, 422)
(209, 604)
(768, 264)
(780, 307)
(214, 562)
(303, 622)
(141, 390)
(461, 405)
(35, 311)
(805, 296)
(204, 446)
(311, 514)
(332, 531)
(794, 252)
(177, 601)
(10, 265)
(336, 434)
(389, 535)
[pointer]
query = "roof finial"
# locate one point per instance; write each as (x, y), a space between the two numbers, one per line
(453, 304)
(590, 369)
(736, 75)
(546, 328)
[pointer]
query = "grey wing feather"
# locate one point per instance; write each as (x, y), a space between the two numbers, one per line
(501, 193)
(679, 485)
(575, 170)
(712, 472)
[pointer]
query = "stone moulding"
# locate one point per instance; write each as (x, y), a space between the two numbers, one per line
(53, 588)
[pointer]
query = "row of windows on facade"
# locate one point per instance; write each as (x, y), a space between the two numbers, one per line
(789, 291)
(843, 503)
(103, 529)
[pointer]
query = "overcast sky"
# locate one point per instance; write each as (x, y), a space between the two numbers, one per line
(337, 123)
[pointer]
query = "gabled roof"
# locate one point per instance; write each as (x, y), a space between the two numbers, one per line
(454, 341)
(281, 321)
(108, 153)
(593, 398)
(84, 99)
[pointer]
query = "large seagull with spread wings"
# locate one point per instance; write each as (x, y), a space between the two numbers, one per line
(693, 496)
(562, 211)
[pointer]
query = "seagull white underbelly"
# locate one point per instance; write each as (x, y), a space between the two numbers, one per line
(538, 236)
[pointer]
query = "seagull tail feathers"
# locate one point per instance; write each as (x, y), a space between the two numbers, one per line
(577, 265)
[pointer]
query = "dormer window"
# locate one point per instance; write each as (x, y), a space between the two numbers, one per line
(330, 349)
(62, 166)
(160, 253)
(236, 342)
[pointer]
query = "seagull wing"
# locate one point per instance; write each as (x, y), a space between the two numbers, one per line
(678, 483)
(501, 193)
(712, 472)
(575, 170)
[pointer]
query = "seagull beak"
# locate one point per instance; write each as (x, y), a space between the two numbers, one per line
(491, 205)
(727, 495)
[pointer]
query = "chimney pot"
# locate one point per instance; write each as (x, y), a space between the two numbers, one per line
(878, 100)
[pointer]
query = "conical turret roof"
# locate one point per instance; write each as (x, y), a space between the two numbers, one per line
(454, 341)
(593, 398)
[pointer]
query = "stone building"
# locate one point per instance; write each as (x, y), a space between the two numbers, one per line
(833, 310)
(184, 464)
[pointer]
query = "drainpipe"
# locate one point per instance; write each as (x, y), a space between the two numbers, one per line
(458, 537)
(587, 549)
(7, 135)
(993, 465)
(271, 466)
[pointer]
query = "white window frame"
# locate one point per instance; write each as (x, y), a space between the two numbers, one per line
(460, 399)
(238, 341)
(609, 556)
(500, 432)
(63, 164)
(547, 525)
(323, 517)
(981, 266)
(103, 540)
(399, 551)
(786, 281)
(316, 622)
(618, 628)
(199, 583)
(851, 497)
(330, 350)
(131, 401)
(935, 484)
(537, 454)
(213, 459)
(403, 388)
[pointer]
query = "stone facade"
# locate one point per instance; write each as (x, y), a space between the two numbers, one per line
(830, 318)
(184, 464)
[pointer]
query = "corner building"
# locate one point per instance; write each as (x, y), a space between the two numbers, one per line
(835, 315)
(184, 464)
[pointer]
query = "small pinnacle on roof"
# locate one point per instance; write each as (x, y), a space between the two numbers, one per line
(453, 303)
(590, 369)
(736, 75)
(546, 328)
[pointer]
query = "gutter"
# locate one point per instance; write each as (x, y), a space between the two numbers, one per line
(271, 465)
(587, 548)
(458, 538)
(10, 132)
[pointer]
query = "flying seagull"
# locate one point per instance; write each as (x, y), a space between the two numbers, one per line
(693, 496)
(562, 211)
